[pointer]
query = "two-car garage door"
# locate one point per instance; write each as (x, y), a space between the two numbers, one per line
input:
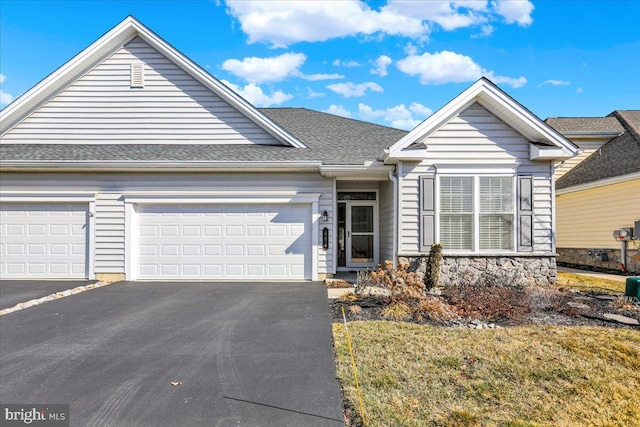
(41, 240)
(170, 242)
(220, 242)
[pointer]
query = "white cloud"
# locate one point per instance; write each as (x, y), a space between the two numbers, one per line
(338, 110)
(579, 90)
(5, 98)
(339, 63)
(554, 83)
(273, 69)
(254, 94)
(260, 70)
(515, 11)
(398, 116)
(316, 77)
(485, 31)
(282, 23)
(381, 63)
(450, 67)
(349, 89)
(313, 94)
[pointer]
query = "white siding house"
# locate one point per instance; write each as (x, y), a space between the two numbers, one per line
(131, 162)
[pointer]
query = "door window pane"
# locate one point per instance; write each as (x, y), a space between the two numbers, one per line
(362, 249)
(362, 219)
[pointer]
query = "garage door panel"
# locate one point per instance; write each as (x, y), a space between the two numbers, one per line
(43, 240)
(225, 242)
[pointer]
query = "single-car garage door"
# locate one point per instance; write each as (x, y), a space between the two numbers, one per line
(219, 242)
(40, 240)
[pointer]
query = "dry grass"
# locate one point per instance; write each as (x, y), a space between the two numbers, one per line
(589, 284)
(414, 375)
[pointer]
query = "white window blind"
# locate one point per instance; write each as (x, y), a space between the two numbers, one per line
(456, 212)
(496, 213)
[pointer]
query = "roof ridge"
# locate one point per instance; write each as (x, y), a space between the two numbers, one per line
(335, 115)
(630, 126)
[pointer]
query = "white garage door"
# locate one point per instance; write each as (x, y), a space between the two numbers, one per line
(39, 240)
(224, 242)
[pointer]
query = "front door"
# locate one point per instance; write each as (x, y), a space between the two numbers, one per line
(361, 234)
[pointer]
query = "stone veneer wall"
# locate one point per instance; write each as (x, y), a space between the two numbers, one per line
(528, 270)
(580, 256)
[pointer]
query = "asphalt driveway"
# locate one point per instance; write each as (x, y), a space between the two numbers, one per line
(13, 292)
(241, 355)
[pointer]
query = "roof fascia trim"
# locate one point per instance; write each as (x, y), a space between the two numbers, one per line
(163, 166)
(599, 183)
(481, 90)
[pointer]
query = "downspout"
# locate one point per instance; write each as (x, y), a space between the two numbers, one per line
(623, 255)
(394, 179)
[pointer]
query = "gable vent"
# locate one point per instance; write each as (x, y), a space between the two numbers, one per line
(137, 74)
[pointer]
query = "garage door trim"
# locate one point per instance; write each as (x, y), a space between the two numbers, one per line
(63, 197)
(238, 198)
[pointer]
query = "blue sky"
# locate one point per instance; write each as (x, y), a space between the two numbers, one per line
(390, 62)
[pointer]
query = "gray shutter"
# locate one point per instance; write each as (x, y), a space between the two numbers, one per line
(427, 213)
(525, 214)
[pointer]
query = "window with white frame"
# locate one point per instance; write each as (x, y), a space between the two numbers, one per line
(476, 213)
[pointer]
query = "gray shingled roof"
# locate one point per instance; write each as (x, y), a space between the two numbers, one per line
(567, 125)
(620, 156)
(333, 140)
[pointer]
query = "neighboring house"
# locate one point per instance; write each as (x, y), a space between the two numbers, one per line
(598, 191)
(131, 162)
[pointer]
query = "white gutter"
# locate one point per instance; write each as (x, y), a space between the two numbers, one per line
(366, 170)
(164, 166)
(393, 177)
(599, 183)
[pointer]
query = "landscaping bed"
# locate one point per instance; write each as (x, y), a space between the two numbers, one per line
(486, 352)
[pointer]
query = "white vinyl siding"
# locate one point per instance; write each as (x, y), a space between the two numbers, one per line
(102, 108)
(109, 229)
(387, 221)
(470, 140)
(110, 188)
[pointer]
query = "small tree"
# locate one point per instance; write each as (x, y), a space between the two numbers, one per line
(432, 272)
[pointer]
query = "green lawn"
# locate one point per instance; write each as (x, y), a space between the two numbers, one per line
(414, 375)
(590, 284)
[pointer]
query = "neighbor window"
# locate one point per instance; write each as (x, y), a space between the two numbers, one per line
(476, 213)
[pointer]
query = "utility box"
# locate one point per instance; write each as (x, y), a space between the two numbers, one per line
(623, 235)
(632, 288)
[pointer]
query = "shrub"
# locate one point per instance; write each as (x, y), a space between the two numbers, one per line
(349, 296)
(355, 309)
(397, 311)
(434, 308)
(432, 272)
(402, 285)
(490, 296)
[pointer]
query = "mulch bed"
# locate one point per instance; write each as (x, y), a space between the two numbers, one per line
(576, 309)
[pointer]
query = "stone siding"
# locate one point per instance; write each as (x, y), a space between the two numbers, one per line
(526, 270)
(581, 256)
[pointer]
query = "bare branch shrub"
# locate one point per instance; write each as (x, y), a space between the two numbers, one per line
(490, 296)
(402, 285)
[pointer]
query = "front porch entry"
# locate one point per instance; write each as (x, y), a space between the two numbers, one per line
(357, 230)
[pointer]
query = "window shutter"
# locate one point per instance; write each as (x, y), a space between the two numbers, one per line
(525, 213)
(427, 213)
